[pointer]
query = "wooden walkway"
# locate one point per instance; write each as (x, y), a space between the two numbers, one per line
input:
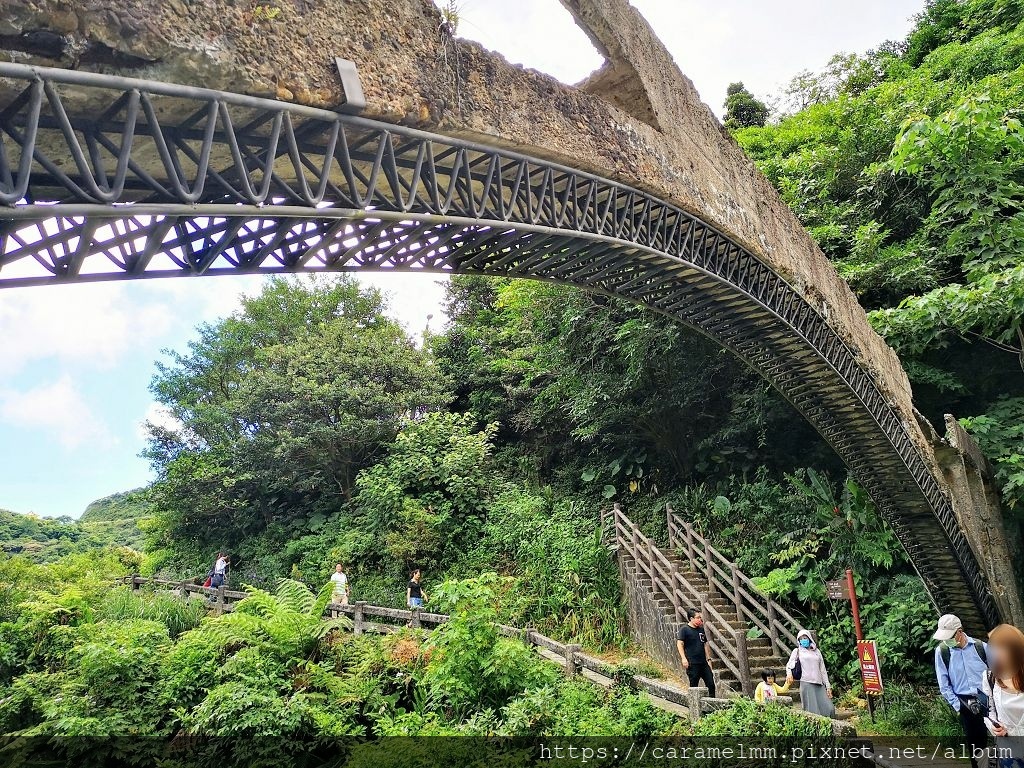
(690, 703)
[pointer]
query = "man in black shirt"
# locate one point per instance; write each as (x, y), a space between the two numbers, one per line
(692, 643)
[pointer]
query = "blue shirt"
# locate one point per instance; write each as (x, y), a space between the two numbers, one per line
(964, 675)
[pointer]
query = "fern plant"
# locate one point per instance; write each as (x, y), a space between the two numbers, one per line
(289, 623)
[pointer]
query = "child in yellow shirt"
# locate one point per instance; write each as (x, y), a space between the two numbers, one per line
(767, 690)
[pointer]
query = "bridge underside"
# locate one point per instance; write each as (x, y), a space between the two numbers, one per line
(104, 178)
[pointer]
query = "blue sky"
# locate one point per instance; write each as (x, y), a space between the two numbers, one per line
(76, 360)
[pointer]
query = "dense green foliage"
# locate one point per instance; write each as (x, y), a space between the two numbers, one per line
(906, 166)
(97, 674)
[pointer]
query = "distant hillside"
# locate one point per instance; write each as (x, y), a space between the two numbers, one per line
(110, 521)
(117, 506)
(41, 539)
(115, 518)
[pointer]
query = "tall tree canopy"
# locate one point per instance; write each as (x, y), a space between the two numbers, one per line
(280, 405)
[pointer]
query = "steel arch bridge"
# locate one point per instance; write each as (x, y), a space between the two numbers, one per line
(109, 178)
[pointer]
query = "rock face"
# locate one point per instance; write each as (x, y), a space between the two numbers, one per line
(637, 120)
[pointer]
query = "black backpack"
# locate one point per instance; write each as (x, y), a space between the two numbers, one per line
(946, 652)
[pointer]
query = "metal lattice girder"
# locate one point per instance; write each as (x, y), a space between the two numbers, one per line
(105, 178)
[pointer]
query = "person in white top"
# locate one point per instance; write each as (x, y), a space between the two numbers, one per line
(1003, 686)
(220, 570)
(340, 585)
(815, 688)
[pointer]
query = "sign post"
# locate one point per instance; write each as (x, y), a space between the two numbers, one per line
(870, 671)
(867, 650)
(852, 591)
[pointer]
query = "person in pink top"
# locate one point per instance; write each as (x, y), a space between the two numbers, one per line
(807, 665)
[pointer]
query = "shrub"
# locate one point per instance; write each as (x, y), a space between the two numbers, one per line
(905, 711)
(745, 718)
(176, 614)
(472, 666)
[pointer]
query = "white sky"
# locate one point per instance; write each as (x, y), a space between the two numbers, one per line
(76, 360)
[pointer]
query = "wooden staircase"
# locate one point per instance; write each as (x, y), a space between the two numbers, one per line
(747, 631)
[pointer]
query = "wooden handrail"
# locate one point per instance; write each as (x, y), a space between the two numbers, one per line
(573, 658)
(731, 651)
(751, 603)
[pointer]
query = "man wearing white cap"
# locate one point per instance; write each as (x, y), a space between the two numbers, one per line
(960, 663)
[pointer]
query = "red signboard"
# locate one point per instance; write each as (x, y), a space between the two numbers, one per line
(870, 667)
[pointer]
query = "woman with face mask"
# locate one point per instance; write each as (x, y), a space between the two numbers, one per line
(1003, 689)
(807, 665)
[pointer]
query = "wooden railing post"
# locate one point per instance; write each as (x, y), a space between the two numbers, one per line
(743, 661)
(183, 590)
(670, 527)
(415, 621)
(676, 610)
(616, 521)
(572, 664)
(136, 583)
(220, 600)
(634, 550)
(655, 580)
(773, 625)
(709, 567)
(690, 554)
(357, 618)
(737, 595)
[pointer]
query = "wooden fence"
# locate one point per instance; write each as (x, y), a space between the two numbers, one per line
(377, 619)
(725, 577)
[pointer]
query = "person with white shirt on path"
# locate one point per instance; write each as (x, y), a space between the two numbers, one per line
(1003, 688)
(341, 588)
(220, 570)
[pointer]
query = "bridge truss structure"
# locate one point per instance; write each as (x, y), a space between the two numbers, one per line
(111, 178)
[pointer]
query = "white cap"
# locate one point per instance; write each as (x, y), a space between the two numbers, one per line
(948, 626)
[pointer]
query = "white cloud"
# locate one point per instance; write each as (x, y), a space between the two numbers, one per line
(159, 416)
(91, 324)
(57, 408)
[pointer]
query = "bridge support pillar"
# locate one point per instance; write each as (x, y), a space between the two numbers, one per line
(974, 495)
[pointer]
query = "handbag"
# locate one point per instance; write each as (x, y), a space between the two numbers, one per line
(798, 669)
(983, 698)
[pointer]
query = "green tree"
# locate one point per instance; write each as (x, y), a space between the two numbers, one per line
(971, 158)
(742, 110)
(428, 499)
(610, 393)
(280, 406)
